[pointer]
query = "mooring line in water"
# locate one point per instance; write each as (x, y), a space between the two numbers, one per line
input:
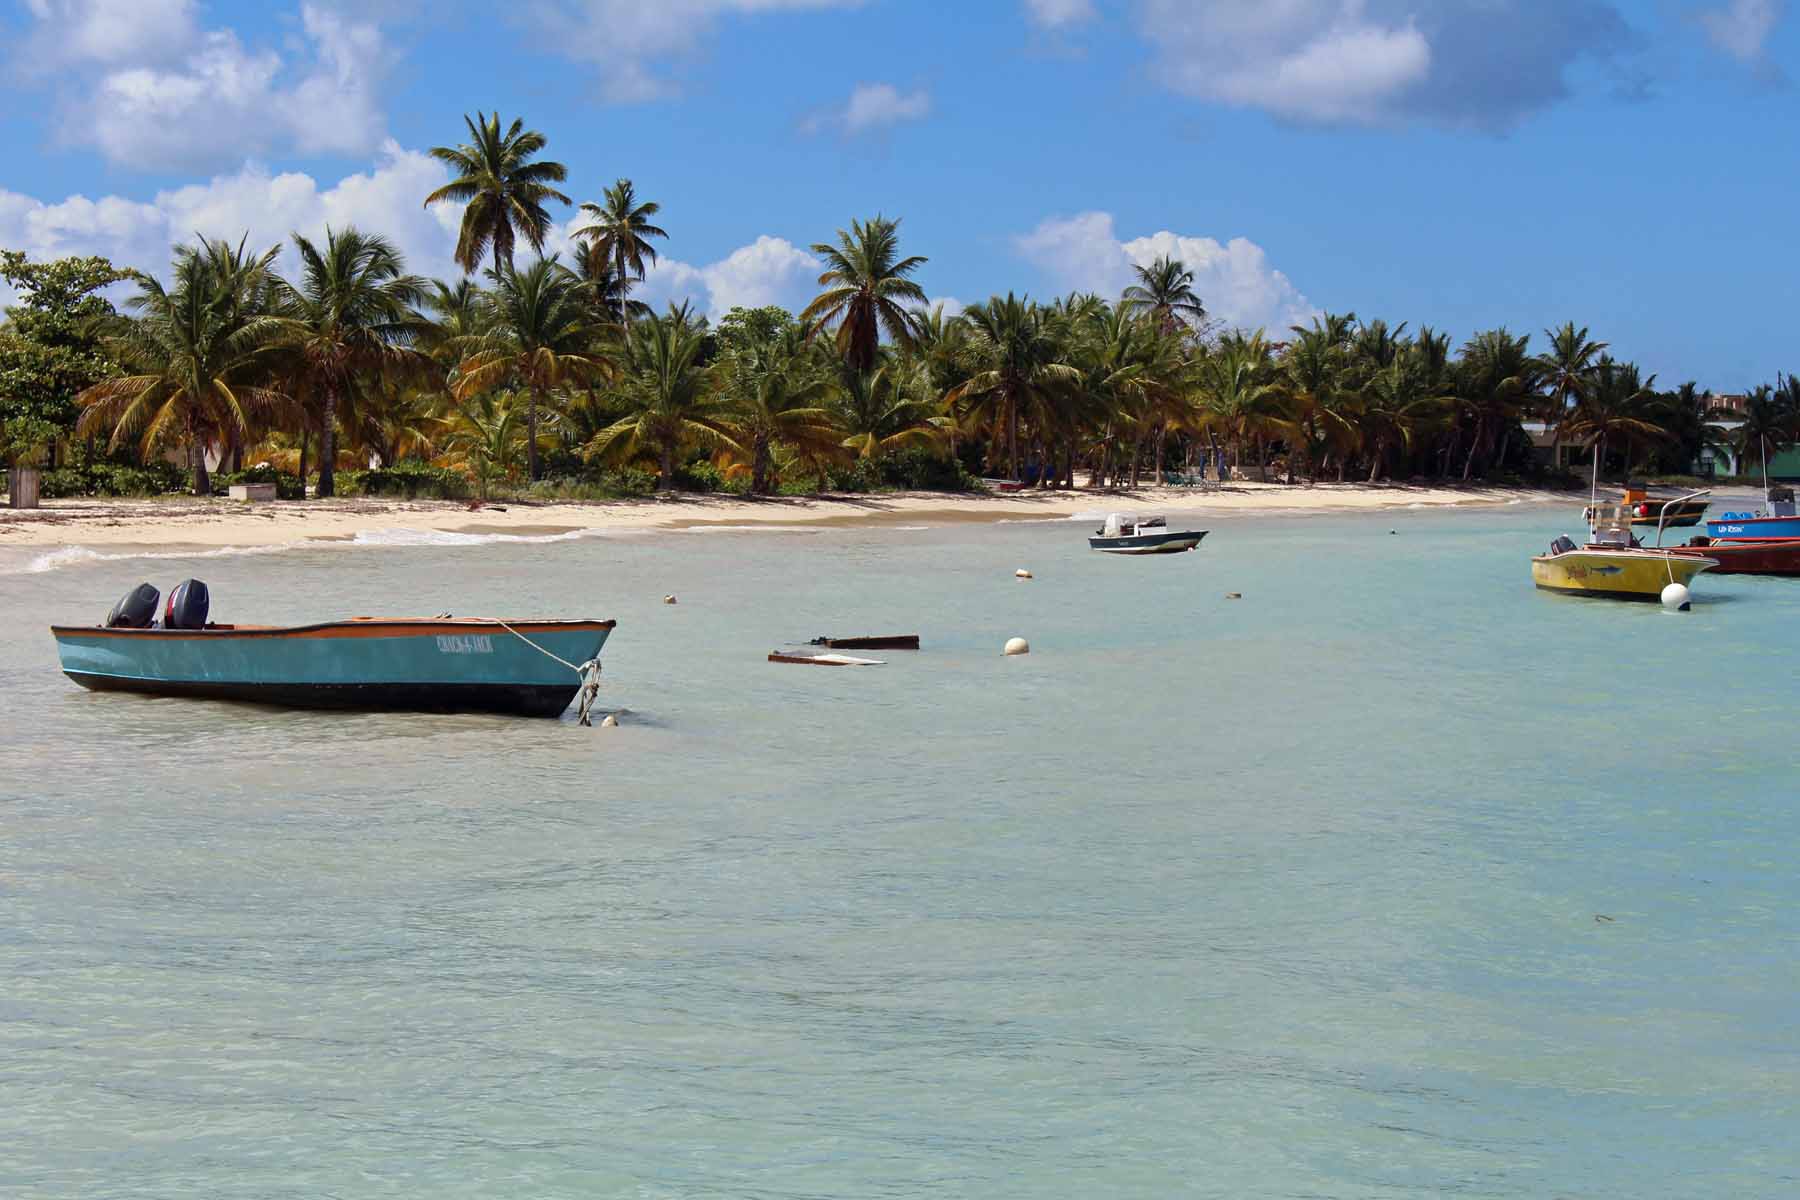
(589, 671)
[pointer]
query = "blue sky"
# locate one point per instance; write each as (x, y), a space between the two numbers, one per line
(1460, 163)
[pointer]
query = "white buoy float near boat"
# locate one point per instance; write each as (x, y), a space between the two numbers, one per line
(609, 721)
(1676, 597)
(1016, 645)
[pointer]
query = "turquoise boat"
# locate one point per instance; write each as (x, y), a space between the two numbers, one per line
(419, 664)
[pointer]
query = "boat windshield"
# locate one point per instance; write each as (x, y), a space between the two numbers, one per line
(1611, 524)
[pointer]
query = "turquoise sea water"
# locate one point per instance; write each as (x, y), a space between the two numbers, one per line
(1297, 895)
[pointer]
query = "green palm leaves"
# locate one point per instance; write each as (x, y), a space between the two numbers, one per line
(539, 334)
(195, 361)
(867, 291)
(619, 234)
(1165, 289)
(672, 395)
(347, 325)
(503, 189)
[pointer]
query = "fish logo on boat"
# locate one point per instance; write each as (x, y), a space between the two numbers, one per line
(463, 643)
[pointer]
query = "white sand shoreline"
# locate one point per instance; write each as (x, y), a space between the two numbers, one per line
(167, 524)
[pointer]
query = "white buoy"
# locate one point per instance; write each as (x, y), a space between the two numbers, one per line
(668, 599)
(1017, 646)
(1022, 573)
(609, 721)
(1676, 596)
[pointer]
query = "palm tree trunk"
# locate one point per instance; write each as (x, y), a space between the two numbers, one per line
(667, 479)
(1474, 445)
(1012, 437)
(759, 466)
(328, 445)
(197, 459)
(305, 437)
(531, 446)
(624, 296)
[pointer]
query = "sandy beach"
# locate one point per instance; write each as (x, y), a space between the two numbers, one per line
(172, 522)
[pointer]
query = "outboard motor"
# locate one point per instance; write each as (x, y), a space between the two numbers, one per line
(1562, 545)
(135, 610)
(1781, 501)
(187, 606)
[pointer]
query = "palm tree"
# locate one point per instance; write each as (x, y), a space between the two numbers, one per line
(1021, 348)
(878, 415)
(192, 360)
(1236, 385)
(621, 233)
(1566, 369)
(1766, 421)
(867, 291)
(607, 291)
(484, 437)
(1497, 376)
(776, 397)
(1619, 405)
(1166, 289)
(505, 192)
(674, 397)
(350, 316)
(1398, 403)
(540, 335)
(1313, 383)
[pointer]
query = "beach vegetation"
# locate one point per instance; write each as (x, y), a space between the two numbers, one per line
(530, 376)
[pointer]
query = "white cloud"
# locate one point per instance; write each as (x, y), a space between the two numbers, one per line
(268, 207)
(1234, 279)
(1059, 14)
(1741, 28)
(873, 106)
(1319, 60)
(106, 31)
(628, 40)
(1484, 64)
(152, 89)
(770, 270)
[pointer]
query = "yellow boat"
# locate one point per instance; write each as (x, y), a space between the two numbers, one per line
(1612, 563)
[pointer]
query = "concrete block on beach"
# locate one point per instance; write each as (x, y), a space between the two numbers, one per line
(252, 491)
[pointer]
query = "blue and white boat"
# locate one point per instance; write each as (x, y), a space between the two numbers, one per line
(1779, 521)
(1142, 535)
(422, 664)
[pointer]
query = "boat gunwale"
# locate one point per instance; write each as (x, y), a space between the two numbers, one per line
(350, 628)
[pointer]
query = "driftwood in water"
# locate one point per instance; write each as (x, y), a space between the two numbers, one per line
(898, 641)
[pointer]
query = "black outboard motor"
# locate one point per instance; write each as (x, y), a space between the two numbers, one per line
(136, 610)
(187, 606)
(1562, 545)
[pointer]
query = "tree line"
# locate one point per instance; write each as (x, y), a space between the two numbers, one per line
(530, 365)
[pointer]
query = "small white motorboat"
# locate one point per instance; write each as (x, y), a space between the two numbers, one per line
(1143, 535)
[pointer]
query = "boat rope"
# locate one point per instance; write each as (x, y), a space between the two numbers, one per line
(588, 672)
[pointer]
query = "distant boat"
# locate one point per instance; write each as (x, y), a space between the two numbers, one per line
(1780, 520)
(1746, 556)
(1649, 511)
(1142, 535)
(424, 664)
(1613, 563)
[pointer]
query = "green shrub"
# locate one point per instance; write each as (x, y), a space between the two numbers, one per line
(407, 480)
(99, 477)
(287, 487)
(921, 470)
(594, 485)
(703, 476)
